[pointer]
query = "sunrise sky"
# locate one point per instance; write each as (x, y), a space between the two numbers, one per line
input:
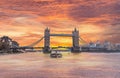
(25, 20)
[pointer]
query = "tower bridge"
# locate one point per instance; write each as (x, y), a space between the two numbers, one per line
(47, 48)
(74, 35)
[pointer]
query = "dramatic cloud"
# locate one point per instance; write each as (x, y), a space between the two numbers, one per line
(25, 20)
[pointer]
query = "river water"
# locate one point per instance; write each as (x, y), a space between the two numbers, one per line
(39, 65)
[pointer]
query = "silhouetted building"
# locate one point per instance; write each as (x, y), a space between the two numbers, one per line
(107, 45)
(98, 45)
(91, 44)
(6, 44)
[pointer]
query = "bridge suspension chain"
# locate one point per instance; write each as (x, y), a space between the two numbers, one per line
(35, 43)
(83, 41)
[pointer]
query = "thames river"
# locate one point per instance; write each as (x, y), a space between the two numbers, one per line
(39, 65)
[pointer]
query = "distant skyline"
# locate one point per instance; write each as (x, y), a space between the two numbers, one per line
(25, 20)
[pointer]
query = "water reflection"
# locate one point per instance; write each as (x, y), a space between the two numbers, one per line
(39, 65)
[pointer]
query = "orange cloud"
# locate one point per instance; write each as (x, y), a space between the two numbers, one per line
(26, 20)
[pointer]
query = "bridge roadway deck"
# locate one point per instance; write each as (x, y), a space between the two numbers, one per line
(39, 47)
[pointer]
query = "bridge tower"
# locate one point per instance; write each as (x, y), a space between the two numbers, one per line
(46, 41)
(75, 38)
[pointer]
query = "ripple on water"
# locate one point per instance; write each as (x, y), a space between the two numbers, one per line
(39, 65)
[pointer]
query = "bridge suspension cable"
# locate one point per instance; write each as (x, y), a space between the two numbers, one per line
(33, 44)
(83, 41)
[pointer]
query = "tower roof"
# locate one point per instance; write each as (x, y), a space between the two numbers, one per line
(75, 29)
(47, 29)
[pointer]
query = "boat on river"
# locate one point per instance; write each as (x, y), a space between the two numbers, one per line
(56, 54)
